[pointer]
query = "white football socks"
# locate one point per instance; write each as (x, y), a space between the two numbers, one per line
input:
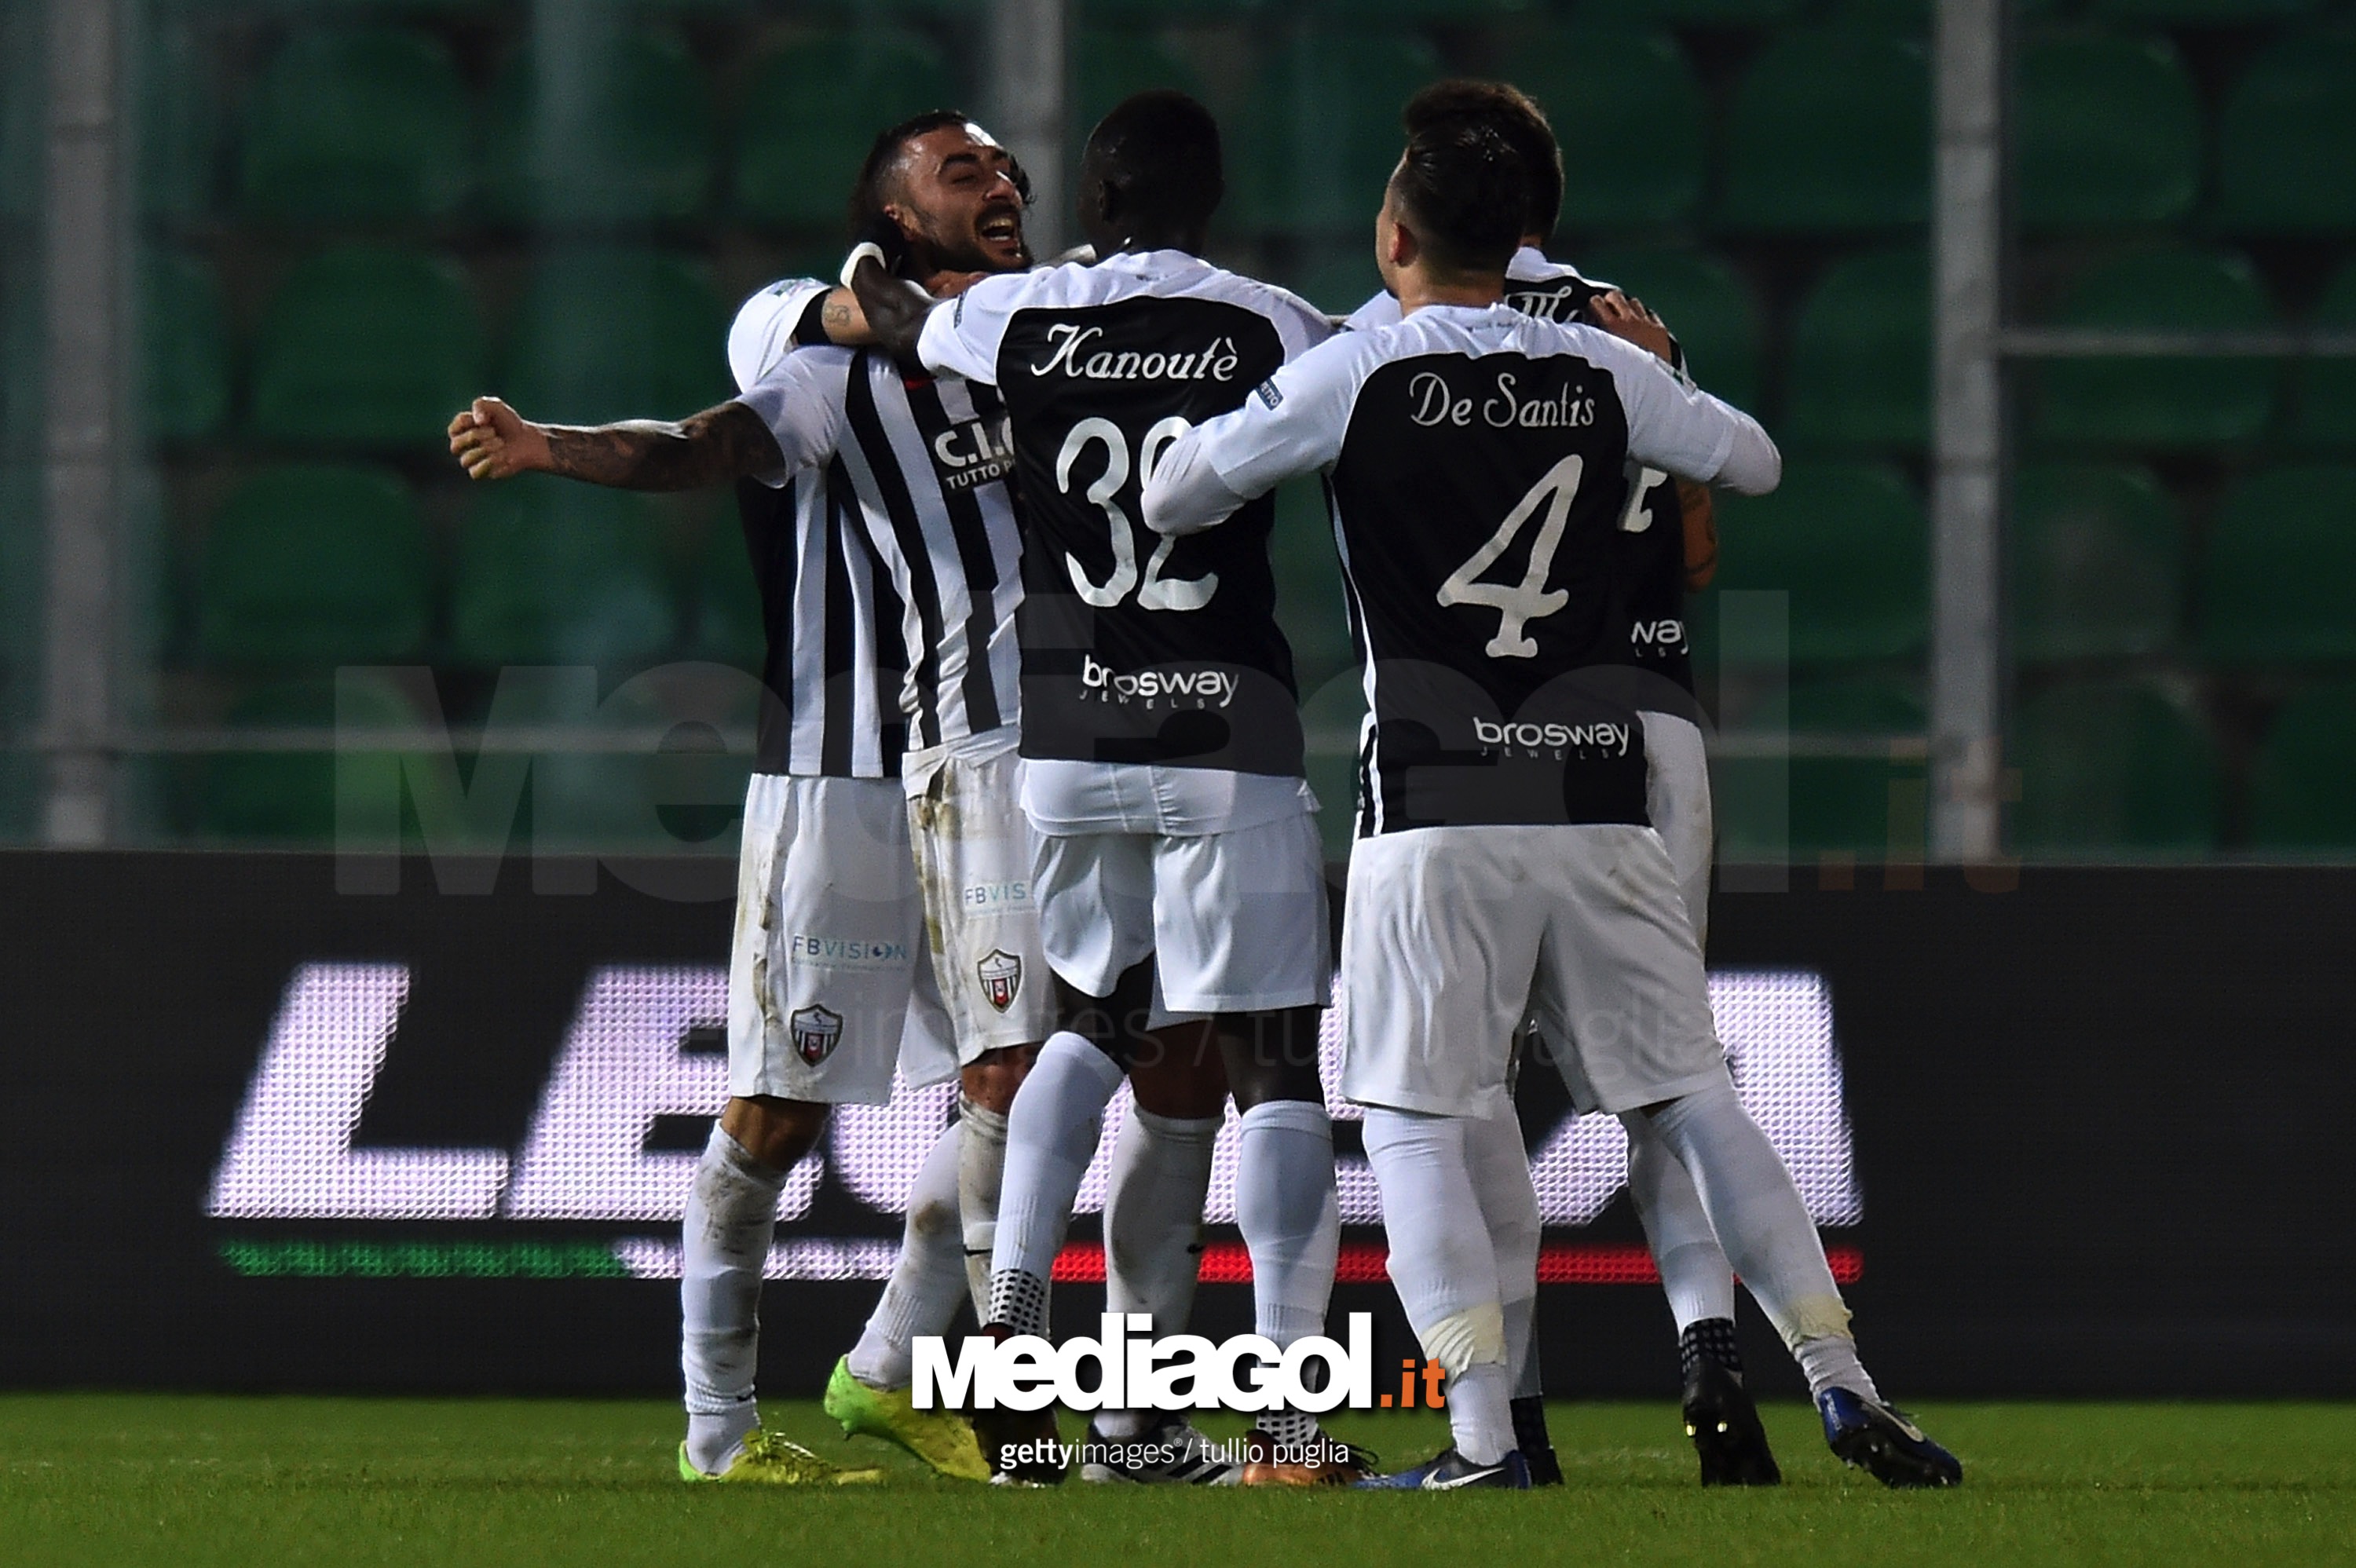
(1153, 1229)
(1694, 1271)
(1291, 1215)
(1758, 1217)
(981, 1176)
(1446, 1270)
(927, 1279)
(1500, 1167)
(732, 1212)
(1051, 1136)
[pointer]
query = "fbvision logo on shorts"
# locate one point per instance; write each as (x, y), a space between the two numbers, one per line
(1198, 688)
(845, 952)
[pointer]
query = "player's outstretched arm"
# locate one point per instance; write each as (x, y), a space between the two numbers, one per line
(895, 314)
(491, 440)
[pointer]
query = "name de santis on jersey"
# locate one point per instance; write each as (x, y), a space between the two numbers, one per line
(1433, 399)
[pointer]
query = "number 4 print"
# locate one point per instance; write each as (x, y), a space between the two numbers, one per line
(1155, 592)
(1528, 600)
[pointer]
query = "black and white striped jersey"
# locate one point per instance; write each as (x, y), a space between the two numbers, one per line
(1135, 649)
(1473, 459)
(834, 663)
(1649, 632)
(923, 465)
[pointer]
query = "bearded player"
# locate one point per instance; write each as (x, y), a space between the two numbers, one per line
(873, 816)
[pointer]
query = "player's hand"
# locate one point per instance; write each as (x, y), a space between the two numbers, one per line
(883, 232)
(947, 285)
(1623, 316)
(491, 440)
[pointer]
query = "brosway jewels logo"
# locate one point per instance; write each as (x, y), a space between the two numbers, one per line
(1001, 977)
(815, 1030)
(1179, 1372)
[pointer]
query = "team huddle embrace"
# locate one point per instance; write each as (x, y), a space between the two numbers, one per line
(1030, 812)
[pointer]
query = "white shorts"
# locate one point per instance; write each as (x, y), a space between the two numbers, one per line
(1676, 798)
(1452, 935)
(1235, 920)
(973, 859)
(829, 939)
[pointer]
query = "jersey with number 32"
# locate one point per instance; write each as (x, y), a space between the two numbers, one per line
(1135, 648)
(1473, 459)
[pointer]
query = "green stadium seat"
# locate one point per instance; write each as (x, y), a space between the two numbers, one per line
(184, 335)
(1705, 302)
(1692, 13)
(2108, 766)
(629, 141)
(288, 798)
(315, 565)
(2287, 138)
(2109, 132)
(2324, 390)
(179, 120)
(2221, 13)
(2299, 799)
(367, 348)
(1109, 65)
(1848, 542)
(1326, 133)
(1337, 278)
(611, 334)
(1861, 356)
(2097, 563)
(728, 628)
(681, 797)
(1868, 803)
(2159, 402)
(1830, 132)
(357, 124)
(554, 573)
(813, 107)
(2281, 551)
(1627, 106)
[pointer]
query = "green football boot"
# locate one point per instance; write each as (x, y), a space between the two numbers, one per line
(772, 1461)
(941, 1438)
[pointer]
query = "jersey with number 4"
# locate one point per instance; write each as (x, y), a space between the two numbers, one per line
(1473, 460)
(1651, 638)
(1135, 648)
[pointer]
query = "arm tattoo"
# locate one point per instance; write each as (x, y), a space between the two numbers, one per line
(724, 443)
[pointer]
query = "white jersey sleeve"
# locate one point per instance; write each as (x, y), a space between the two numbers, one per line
(1383, 310)
(1674, 425)
(763, 332)
(801, 401)
(1292, 423)
(961, 336)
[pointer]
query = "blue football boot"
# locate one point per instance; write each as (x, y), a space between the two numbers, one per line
(1880, 1440)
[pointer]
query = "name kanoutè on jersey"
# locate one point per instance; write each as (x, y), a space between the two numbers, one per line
(1071, 353)
(1497, 402)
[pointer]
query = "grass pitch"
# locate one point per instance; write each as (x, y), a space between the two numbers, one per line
(135, 1478)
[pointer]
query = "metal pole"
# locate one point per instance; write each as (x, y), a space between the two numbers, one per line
(1967, 670)
(1026, 109)
(82, 347)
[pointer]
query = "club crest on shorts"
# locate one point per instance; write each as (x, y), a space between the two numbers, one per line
(816, 1031)
(1001, 977)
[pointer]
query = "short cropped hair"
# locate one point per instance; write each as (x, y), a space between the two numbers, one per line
(1518, 119)
(1465, 193)
(1164, 148)
(869, 193)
